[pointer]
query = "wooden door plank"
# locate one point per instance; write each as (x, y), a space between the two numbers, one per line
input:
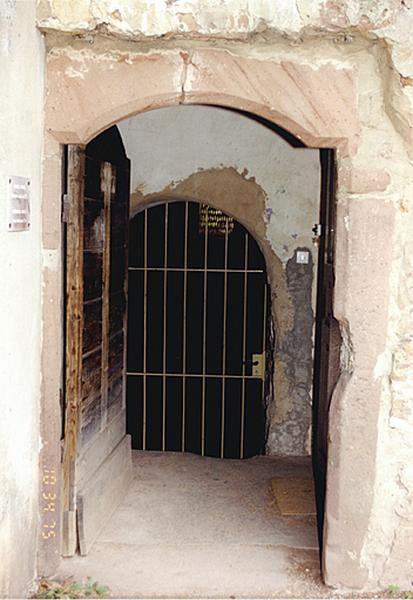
(106, 181)
(103, 493)
(74, 332)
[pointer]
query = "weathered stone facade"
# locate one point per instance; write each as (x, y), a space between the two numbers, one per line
(21, 131)
(341, 67)
(336, 74)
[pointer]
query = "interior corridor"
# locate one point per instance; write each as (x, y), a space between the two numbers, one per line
(193, 526)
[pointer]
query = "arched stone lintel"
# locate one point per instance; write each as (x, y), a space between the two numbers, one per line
(88, 93)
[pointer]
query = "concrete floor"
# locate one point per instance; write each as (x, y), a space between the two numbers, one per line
(201, 527)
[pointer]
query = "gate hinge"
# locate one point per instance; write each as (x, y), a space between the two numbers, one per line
(65, 208)
(317, 229)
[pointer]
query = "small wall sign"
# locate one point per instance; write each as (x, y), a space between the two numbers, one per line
(214, 220)
(18, 203)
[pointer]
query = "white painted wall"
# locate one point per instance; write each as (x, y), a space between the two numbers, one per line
(170, 144)
(21, 102)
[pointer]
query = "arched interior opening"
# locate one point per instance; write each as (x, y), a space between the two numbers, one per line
(253, 173)
(222, 296)
(197, 333)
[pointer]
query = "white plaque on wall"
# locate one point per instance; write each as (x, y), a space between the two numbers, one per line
(18, 203)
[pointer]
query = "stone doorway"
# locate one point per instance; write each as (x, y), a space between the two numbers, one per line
(97, 460)
(270, 97)
(235, 330)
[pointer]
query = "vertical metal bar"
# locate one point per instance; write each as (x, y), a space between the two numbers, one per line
(264, 331)
(244, 345)
(185, 284)
(165, 295)
(264, 328)
(224, 341)
(204, 327)
(264, 338)
(145, 318)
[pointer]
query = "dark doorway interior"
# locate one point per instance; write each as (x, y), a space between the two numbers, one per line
(196, 333)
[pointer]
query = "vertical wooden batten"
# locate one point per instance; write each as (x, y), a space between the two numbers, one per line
(74, 341)
(108, 185)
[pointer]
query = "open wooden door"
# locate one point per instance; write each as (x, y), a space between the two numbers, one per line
(96, 450)
(328, 339)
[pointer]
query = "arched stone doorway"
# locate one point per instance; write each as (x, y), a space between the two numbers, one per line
(79, 107)
(97, 461)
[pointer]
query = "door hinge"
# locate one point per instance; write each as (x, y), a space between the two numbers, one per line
(65, 208)
(317, 229)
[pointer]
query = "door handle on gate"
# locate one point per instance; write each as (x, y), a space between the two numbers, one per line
(258, 365)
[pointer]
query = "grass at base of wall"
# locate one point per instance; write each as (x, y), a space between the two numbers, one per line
(71, 589)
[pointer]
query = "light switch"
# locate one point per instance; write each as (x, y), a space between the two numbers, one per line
(303, 257)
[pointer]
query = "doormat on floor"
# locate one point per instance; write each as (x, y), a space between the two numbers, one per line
(294, 496)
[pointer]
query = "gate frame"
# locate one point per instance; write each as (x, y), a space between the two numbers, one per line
(99, 90)
(151, 201)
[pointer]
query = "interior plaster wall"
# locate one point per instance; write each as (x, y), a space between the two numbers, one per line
(221, 157)
(276, 59)
(21, 133)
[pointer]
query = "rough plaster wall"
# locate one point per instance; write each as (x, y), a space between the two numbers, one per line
(388, 21)
(193, 150)
(21, 66)
(375, 209)
(169, 145)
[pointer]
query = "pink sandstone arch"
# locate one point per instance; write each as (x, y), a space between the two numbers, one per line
(87, 95)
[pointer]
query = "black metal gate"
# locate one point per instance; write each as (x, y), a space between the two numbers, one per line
(196, 333)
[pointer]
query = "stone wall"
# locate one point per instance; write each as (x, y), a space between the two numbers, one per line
(21, 132)
(341, 74)
(387, 23)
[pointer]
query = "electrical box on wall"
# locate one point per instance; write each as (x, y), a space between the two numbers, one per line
(18, 203)
(302, 257)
